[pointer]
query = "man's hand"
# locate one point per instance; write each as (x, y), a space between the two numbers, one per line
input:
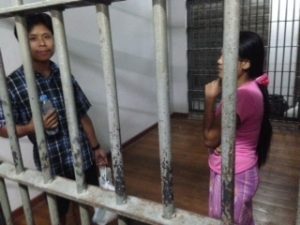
(50, 120)
(100, 157)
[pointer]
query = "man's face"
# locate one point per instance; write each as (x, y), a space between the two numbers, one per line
(41, 43)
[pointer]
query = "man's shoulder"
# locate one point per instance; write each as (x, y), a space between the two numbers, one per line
(16, 80)
(19, 72)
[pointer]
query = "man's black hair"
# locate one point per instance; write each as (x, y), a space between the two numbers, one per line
(252, 48)
(36, 19)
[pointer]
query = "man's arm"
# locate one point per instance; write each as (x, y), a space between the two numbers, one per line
(21, 130)
(100, 154)
(50, 121)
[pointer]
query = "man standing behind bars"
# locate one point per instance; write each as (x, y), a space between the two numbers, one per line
(47, 75)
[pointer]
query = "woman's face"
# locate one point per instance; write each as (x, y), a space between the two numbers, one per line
(41, 43)
(240, 67)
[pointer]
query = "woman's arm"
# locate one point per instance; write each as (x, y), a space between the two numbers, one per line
(212, 124)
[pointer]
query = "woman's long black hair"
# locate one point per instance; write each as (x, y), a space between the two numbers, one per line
(251, 48)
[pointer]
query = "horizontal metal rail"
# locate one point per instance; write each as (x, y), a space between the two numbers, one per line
(48, 5)
(135, 208)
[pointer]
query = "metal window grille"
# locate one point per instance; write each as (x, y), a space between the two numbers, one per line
(277, 21)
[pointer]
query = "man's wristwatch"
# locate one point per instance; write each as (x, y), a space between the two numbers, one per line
(96, 147)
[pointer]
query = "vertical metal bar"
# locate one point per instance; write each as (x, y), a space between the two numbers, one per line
(36, 112)
(26, 204)
(10, 123)
(33, 95)
(243, 15)
(123, 221)
(5, 203)
(67, 86)
(249, 15)
(230, 51)
(32, 91)
(269, 35)
(298, 208)
(111, 99)
(263, 20)
(14, 143)
(2, 218)
(291, 55)
(162, 73)
(53, 211)
(276, 48)
(256, 15)
(283, 48)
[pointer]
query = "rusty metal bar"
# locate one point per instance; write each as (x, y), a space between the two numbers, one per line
(230, 51)
(10, 123)
(13, 139)
(25, 197)
(5, 203)
(298, 208)
(36, 112)
(111, 99)
(69, 99)
(163, 99)
(43, 6)
(138, 209)
(33, 95)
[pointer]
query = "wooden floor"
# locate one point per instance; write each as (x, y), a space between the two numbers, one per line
(275, 202)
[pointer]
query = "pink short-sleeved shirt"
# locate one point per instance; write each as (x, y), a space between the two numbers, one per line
(249, 109)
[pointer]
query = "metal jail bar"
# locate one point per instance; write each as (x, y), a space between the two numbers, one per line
(6, 210)
(135, 208)
(112, 101)
(162, 73)
(15, 148)
(230, 52)
(67, 86)
(298, 205)
(36, 112)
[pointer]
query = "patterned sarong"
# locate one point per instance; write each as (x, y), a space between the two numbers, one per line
(246, 184)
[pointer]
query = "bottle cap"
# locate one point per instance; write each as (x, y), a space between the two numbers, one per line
(43, 98)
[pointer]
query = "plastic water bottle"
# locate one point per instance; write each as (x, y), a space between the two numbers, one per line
(47, 106)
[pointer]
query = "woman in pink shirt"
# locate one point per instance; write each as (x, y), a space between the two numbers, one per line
(253, 134)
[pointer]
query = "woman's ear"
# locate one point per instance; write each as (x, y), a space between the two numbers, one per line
(245, 64)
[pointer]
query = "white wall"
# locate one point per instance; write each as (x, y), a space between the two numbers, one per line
(178, 55)
(132, 30)
(135, 69)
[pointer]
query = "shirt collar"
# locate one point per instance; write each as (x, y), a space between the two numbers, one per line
(54, 70)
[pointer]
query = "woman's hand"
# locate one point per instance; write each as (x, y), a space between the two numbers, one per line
(213, 89)
(218, 150)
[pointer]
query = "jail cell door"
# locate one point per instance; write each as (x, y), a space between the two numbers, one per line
(205, 40)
